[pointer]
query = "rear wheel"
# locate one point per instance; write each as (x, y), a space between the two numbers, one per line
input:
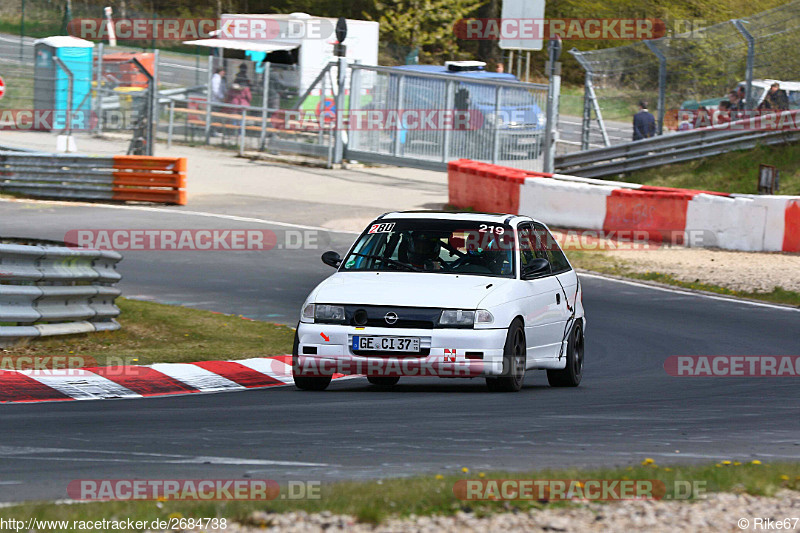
(382, 382)
(570, 376)
(514, 355)
(307, 382)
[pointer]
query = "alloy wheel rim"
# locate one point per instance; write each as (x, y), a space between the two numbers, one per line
(519, 356)
(578, 353)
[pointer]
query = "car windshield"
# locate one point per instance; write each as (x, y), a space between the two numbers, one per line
(438, 246)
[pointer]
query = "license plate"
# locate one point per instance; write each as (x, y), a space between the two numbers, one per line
(385, 344)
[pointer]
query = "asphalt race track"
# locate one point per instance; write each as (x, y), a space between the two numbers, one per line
(627, 407)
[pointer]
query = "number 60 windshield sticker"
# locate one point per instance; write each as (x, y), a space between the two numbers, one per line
(386, 227)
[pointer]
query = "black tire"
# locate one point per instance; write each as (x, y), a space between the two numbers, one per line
(571, 375)
(514, 357)
(380, 381)
(307, 382)
(312, 383)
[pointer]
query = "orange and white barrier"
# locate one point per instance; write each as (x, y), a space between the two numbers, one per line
(150, 179)
(119, 178)
(729, 221)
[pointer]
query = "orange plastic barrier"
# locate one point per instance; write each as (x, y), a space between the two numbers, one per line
(791, 231)
(661, 214)
(119, 68)
(484, 187)
(143, 178)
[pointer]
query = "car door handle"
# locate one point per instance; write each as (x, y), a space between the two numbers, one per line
(558, 298)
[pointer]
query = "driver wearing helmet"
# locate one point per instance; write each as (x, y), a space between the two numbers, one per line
(423, 252)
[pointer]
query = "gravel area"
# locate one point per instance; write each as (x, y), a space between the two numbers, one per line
(720, 512)
(744, 271)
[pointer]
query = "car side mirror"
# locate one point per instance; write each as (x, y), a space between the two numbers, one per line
(332, 259)
(537, 268)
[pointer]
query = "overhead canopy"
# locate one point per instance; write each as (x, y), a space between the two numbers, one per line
(64, 41)
(241, 44)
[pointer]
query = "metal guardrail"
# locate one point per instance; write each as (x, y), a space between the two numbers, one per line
(57, 175)
(55, 290)
(120, 178)
(674, 148)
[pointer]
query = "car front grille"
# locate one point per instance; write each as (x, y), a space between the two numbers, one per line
(407, 317)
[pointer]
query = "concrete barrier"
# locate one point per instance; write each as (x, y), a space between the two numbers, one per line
(681, 216)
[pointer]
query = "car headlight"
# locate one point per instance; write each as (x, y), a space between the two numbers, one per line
(308, 314)
(329, 314)
(462, 318)
(457, 318)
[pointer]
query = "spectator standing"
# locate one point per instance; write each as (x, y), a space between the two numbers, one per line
(737, 105)
(703, 119)
(776, 98)
(241, 76)
(644, 123)
(239, 95)
(218, 90)
(218, 85)
(723, 114)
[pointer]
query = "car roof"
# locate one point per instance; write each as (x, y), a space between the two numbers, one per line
(790, 85)
(499, 218)
(441, 69)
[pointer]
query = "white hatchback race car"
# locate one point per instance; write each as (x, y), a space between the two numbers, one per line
(445, 294)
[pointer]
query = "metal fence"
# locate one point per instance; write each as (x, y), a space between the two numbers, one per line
(501, 122)
(61, 86)
(260, 106)
(251, 106)
(686, 70)
(55, 290)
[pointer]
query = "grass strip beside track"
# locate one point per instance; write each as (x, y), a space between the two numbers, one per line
(377, 500)
(158, 333)
(733, 172)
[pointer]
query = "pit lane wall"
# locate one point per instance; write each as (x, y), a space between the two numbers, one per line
(679, 216)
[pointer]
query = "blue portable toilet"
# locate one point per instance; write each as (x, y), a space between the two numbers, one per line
(51, 83)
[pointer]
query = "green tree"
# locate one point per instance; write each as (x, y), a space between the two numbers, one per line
(424, 24)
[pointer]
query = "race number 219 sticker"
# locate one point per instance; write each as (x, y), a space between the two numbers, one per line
(386, 227)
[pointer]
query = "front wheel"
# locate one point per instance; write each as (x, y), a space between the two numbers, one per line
(383, 382)
(306, 382)
(570, 376)
(514, 355)
(312, 383)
